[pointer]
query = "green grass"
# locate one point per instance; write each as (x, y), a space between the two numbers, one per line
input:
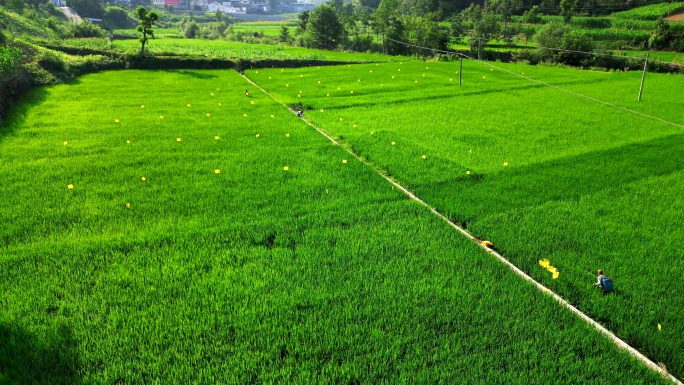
(322, 273)
(587, 186)
(651, 12)
(227, 49)
(270, 28)
(170, 33)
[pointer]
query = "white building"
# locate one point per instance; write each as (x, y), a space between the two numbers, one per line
(59, 3)
(227, 7)
(158, 3)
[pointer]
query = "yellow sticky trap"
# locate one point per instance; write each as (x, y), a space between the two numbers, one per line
(451, 79)
(427, 67)
(245, 115)
(505, 164)
(257, 135)
(424, 157)
(393, 143)
(142, 106)
(491, 69)
(71, 186)
(399, 69)
(216, 137)
(128, 205)
(321, 110)
(188, 105)
(327, 94)
(116, 120)
(344, 161)
(423, 74)
(483, 77)
(286, 168)
(208, 115)
(143, 179)
(269, 77)
(217, 171)
(660, 327)
(340, 119)
(273, 116)
(355, 126)
(178, 139)
(287, 135)
(371, 71)
(65, 143)
(257, 71)
(219, 104)
(468, 172)
(359, 80)
(212, 94)
(392, 76)
(319, 82)
(299, 96)
(371, 132)
(287, 85)
(161, 117)
(301, 76)
(352, 92)
(128, 142)
(416, 81)
(252, 102)
(555, 275)
(338, 88)
(380, 84)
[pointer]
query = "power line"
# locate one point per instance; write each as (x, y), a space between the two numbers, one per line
(547, 84)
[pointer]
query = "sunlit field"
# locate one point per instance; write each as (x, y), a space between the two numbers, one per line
(541, 173)
(162, 227)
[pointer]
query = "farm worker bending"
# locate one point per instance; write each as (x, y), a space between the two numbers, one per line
(299, 113)
(605, 283)
(246, 93)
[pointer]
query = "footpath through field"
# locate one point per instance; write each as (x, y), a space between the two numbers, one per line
(540, 172)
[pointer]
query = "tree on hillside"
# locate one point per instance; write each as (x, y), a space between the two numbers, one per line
(505, 8)
(147, 20)
(36, 3)
(284, 36)
(303, 22)
(87, 8)
(324, 29)
(117, 17)
(567, 9)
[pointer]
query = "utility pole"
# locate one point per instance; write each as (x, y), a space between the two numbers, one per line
(643, 76)
(479, 48)
(460, 69)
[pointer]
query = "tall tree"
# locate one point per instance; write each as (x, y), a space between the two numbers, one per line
(324, 29)
(147, 20)
(87, 8)
(505, 8)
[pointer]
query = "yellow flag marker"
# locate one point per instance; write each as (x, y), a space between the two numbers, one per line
(423, 74)
(344, 161)
(287, 135)
(399, 69)
(340, 119)
(380, 84)
(128, 205)
(468, 172)
(245, 115)
(116, 120)
(427, 67)
(257, 71)
(392, 76)
(142, 106)
(660, 327)
(327, 94)
(301, 76)
(208, 114)
(65, 143)
(424, 157)
(217, 171)
(212, 94)
(219, 104)
(416, 81)
(269, 77)
(188, 105)
(161, 117)
(505, 164)
(319, 82)
(178, 139)
(216, 137)
(299, 96)
(491, 69)
(393, 143)
(321, 110)
(483, 77)
(287, 85)
(252, 102)
(273, 116)
(128, 142)
(70, 186)
(371, 71)
(401, 62)
(319, 67)
(355, 126)
(359, 80)
(352, 92)
(257, 135)
(286, 168)
(451, 79)
(282, 70)
(338, 88)
(523, 73)
(555, 275)
(143, 179)
(371, 133)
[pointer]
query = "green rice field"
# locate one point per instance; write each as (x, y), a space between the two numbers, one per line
(539, 172)
(228, 49)
(161, 227)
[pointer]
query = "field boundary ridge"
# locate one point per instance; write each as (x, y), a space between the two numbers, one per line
(616, 340)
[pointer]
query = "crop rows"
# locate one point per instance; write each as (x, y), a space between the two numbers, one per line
(539, 172)
(187, 233)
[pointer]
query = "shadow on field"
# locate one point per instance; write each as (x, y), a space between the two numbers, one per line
(197, 75)
(560, 179)
(19, 110)
(27, 359)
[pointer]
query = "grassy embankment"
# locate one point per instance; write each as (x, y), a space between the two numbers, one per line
(321, 272)
(541, 173)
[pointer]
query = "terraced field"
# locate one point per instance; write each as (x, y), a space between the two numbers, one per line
(187, 233)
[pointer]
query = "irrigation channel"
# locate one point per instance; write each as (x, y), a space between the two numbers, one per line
(619, 342)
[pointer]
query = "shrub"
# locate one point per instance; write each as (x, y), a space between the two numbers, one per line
(10, 60)
(86, 29)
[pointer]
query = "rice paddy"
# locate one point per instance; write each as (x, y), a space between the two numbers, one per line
(214, 237)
